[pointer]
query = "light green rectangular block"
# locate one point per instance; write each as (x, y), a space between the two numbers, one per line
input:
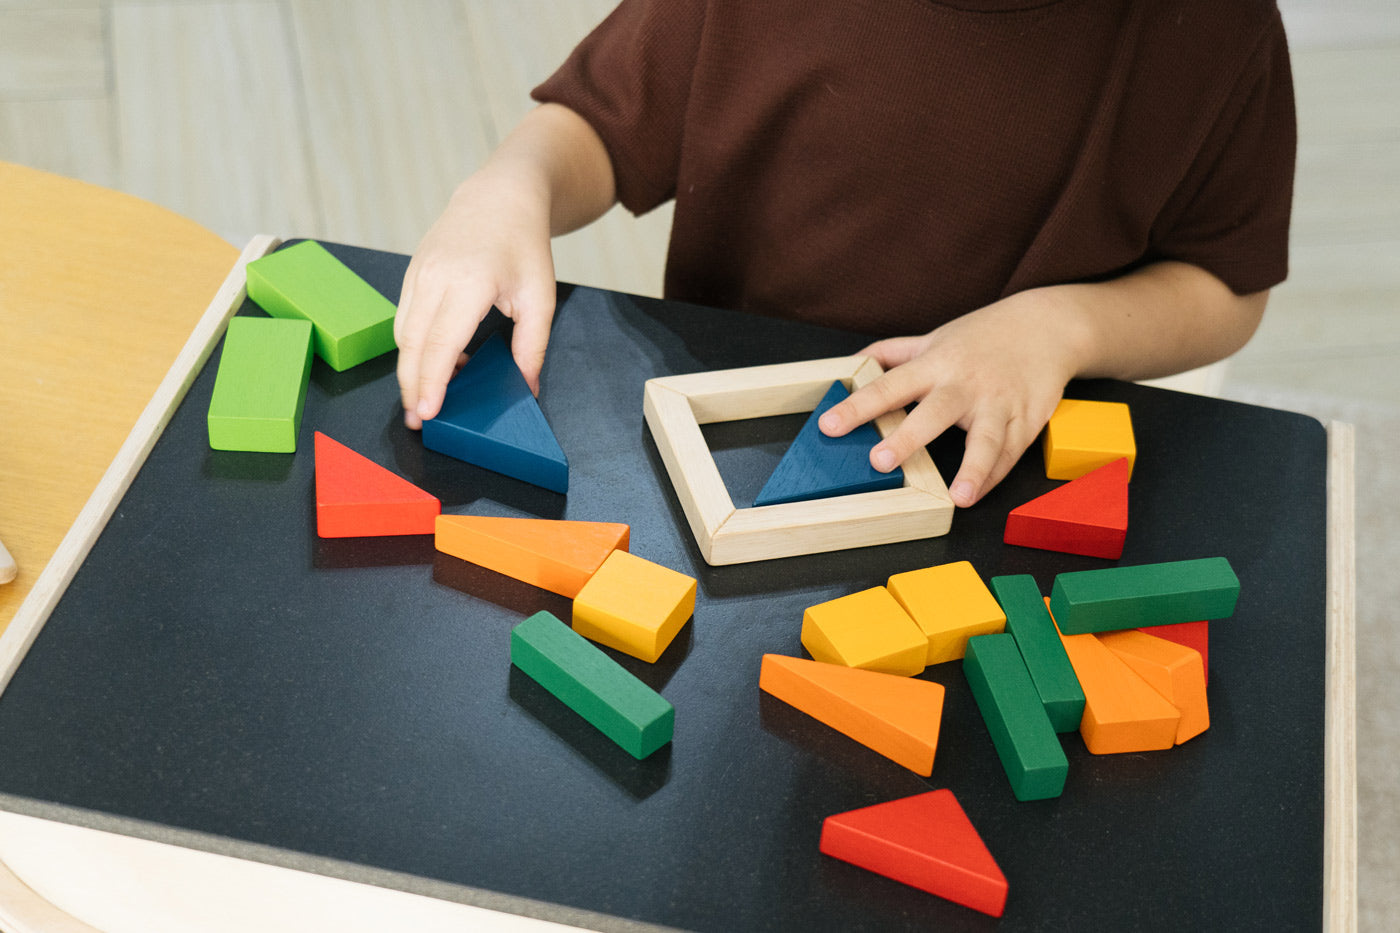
(353, 321)
(260, 388)
(1029, 622)
(1029, 749)
(592, 684)
(1116, 598)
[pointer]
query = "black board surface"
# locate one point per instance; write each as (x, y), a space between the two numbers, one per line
(218, 670)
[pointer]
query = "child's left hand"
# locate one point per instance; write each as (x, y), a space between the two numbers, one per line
(997, 373)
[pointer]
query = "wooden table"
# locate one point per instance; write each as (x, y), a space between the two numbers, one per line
(1338, 896)
(98, 293)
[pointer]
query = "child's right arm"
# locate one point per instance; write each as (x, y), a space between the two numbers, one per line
(551, 175)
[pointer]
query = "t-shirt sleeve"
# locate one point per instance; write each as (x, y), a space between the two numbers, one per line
(1230, 216)
(630, 79)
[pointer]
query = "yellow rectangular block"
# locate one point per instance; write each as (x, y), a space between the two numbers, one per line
(1084, 435)
(950, 604)
(634, 605)
(1175, 671)
(868, 630)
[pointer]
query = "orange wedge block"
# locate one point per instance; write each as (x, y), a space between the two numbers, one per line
(1175, 671)
(559, 556)
(898, 717)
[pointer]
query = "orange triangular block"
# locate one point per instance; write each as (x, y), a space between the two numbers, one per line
(356, 497)
(1122, 713)
(896, 716)
(1192, 635)
(558, 556)
(1088, 515)
(925, 841)
(1173, 670)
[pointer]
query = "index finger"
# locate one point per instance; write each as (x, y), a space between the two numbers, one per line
(432, 338)
(895, 389)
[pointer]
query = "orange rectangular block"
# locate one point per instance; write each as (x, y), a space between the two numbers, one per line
(1122, 713)
(1175, 671)
(559, 556)
(899, 717)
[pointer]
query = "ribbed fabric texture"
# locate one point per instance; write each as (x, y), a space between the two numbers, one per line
(888, 165)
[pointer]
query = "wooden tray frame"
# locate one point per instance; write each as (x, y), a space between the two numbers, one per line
(676, 406)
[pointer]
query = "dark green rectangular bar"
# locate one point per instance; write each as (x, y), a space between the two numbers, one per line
(1149, 594)
(353, 321)
(1029, 622)
(260, 388)
(1026, 742)
(592, 684)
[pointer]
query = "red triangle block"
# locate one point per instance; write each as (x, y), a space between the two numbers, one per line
(356, 497)
(1086, 516)
(925, 841)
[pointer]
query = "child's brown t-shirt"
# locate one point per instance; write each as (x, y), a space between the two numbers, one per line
(888, 165)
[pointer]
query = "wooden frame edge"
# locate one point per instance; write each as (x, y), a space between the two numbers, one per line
(31, 615)
(676, 406)
(1340, 860)
(694, 476)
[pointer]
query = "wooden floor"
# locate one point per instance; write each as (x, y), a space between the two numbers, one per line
(352, 120)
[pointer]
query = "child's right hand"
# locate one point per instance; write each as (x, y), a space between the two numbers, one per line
(490, 247)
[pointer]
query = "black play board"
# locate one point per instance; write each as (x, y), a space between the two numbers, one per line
(218, 675)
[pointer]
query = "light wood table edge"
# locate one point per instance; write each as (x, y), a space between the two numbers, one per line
(1339, 865)
(29, 618)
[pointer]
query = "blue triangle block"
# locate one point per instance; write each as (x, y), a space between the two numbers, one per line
(817, 466)
(490, 419)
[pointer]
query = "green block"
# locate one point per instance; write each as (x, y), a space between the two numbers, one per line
(1030, 624)
(1149, 594)
(1029, 749)
(353, 321)
(592, 684)
(260, 388)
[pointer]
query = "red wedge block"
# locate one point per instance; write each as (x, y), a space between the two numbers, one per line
(925, 841)
(356, 497)
(899, 717)
(1086, 516)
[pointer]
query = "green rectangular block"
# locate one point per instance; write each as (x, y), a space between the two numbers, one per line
(1029, 749)
(592, 684)
(353, 321)
(1029, 622)
(1149, 594)
(260, 388)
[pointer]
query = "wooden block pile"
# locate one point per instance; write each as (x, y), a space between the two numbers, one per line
(1118, 654)
(1126, 665)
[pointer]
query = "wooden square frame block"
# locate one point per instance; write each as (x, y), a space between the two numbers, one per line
(676, 406)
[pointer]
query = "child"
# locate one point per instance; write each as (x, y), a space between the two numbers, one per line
(1012, 193)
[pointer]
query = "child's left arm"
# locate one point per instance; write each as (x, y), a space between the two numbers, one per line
(999, 372)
